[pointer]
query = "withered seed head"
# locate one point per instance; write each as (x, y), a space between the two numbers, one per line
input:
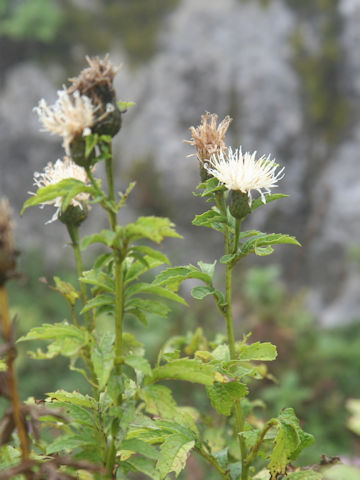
(209, 138)
(96, 82)
(8, 253)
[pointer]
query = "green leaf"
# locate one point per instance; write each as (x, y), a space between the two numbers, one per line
(341, 472)
(257, 351)
(269, 198)
(67, 290)
(290, 440)
(172, 278)
(201, 292)
(310, 475)
(67, 340)
(102, 358)
(228, 258)
(99, 279)
(147, 288)
(136, 269)
(141, 447)
(142, 465)
(190, 370)
(123, 106)
(210, 186)
(212, 219)
(69, 187)
(75, 398)
(152, 228)
(90, 143)
(139, 363)
(173, 455)
(208, 268)
(151, 253)
(265, 240)
(223, 395)
(107, 237)
(98, 301)
(134, 305)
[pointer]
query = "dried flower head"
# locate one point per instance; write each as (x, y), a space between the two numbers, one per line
(244, 173)
(96, 82)
(70, 117)
(99, 74)
(208, 138)
(8, 253)
(54, 173)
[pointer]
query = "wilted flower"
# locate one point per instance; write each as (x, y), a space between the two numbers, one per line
(8, 253)
(244, 173)
(72, 116)
(208, 139)
(53, 174)
(96, 82)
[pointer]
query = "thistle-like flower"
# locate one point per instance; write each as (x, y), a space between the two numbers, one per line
(244, 173)
(72, 116)
(54, 173)
(208, 139)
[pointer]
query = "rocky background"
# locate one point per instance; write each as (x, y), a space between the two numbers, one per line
(287, 71)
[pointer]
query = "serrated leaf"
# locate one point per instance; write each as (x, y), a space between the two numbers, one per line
(208, 268)
(212, 219)
(173, 455)
(75, 398)
(107, 237)
(265, 240)
(139, 363)
(98, 301)
(152, 253)
(257, 351)
(67, 290)
(99, 279)
(152, 228)
(143, 465)
(141, 447)
(269, 198)
(172, 278)
(228, 258)
(102, 358)
(223, 395)
(201, 292)
(66, 187)
(145, 305)
(67, 340)
(136, 269)
(147, 288)
(187, 369)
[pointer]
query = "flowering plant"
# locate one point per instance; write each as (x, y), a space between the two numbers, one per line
(131, 423)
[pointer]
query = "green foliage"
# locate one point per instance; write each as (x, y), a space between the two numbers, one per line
(24, 20)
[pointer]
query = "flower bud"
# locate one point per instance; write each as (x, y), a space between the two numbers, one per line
(74, 215)
(239, 204)
(77, 152)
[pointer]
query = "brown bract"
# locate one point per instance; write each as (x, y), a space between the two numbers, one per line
(209, 138)
(8, 253)
(96, 81)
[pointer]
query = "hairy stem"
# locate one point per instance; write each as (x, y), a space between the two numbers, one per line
(15, 399)
(254, 451)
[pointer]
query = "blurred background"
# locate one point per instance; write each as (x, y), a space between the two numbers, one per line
(288, 72)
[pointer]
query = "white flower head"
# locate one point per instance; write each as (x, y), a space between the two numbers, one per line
(54, 173)
(243, 172)
(71, 116)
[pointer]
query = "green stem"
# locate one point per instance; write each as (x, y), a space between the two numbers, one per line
(74, 235)
(254, 451)
(119, 313)
(237, 234)
(239, 415)
(212, 460)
